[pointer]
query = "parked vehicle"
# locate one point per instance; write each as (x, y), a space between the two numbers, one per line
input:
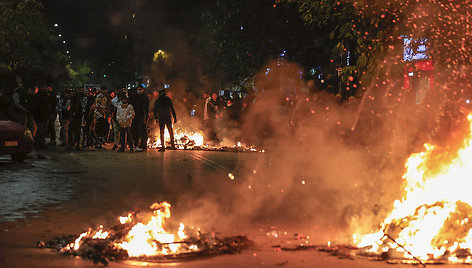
(15, 140)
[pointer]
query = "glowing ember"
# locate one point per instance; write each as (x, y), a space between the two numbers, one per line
(433, 219)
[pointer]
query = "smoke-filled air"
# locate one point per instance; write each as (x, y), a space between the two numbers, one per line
(337, 163)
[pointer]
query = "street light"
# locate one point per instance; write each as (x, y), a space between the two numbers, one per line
(59, 35)
(56, 25)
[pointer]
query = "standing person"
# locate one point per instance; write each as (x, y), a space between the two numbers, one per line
(152, 100)
(141, 109)
(101, 123)
(30, 124)
(19, 110)
(52, 97)
(65, 115)
(61, 107)
(75, 122)
(211, 107)
(199, 108)
(125, 115)
(41, 112)
(88, 108)
(163, 109)
(115, 103)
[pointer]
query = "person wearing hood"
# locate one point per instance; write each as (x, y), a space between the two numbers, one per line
(139, 127)
(163, 112)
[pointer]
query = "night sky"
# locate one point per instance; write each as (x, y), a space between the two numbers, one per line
(93, 29)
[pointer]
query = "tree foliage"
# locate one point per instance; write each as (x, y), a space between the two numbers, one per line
(79, 73)
(373, 31)
(28, 47)
(239, 37)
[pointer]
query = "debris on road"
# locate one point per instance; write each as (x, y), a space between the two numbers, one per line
(133, 239)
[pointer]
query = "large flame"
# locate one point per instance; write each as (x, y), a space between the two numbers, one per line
(433, 220)
(144, 239)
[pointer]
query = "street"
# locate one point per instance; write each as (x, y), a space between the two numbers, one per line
(303, 133)
(70, 192)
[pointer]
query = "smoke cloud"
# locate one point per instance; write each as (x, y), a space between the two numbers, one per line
(328, 162)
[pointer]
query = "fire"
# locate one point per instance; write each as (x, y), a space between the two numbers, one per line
(183, 139)
(144, 239)
(432, 221)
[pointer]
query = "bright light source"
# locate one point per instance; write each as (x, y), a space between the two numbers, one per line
(160, 55)
(105, 75)
(63, 42)
(56, 25)
(59, 35)
(411, 74)
(67, 51)
(467, 101)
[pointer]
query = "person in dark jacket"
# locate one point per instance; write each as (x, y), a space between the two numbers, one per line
(75, 123)
(41, 110)
(19, 110)
(88, 108)
(139, 128)
(163, 109)
(52, 96)
(211, 109)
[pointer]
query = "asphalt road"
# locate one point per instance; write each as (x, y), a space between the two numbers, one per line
(66, 192)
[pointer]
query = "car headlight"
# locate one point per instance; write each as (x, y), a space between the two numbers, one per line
(28, 134)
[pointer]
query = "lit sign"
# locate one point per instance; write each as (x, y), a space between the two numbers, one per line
(415, 49)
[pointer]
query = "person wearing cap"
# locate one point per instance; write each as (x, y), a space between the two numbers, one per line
(163, 112)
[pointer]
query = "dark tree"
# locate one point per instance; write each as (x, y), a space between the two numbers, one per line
(239, 37)
(28, 47)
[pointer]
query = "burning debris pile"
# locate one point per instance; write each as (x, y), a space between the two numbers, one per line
(194, 140)
(432, 223)
(135, 238)
(183, 139)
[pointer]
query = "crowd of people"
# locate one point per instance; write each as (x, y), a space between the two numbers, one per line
(93, 117)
